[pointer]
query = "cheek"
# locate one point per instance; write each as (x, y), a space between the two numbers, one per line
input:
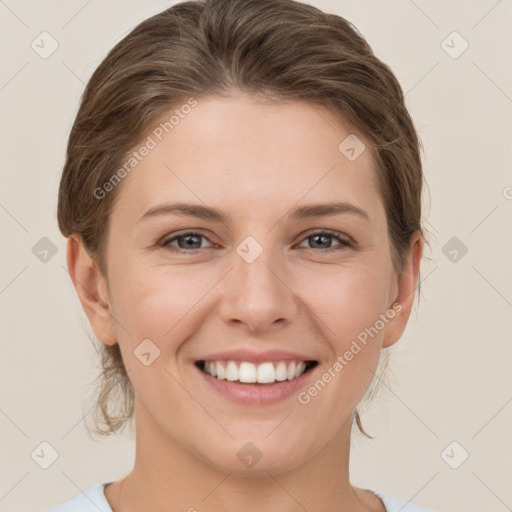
(348, 306)
(164, 304)
(348, 301)
(159, 303)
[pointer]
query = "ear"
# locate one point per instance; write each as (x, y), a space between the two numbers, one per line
(91, 287)
(407, 283)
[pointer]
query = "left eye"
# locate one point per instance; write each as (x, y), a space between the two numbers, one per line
(192, 241)
(320, 237)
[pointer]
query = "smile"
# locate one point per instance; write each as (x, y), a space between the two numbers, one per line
(268, 372)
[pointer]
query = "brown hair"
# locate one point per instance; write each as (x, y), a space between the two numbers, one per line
(277, 49)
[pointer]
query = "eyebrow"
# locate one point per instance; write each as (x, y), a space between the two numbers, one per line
(208, 213)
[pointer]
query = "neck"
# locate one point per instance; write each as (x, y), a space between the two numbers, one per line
(166, 473)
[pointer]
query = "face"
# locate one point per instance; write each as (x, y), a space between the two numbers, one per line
(267, 282)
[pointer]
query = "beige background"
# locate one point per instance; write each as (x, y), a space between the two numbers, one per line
(451, 376)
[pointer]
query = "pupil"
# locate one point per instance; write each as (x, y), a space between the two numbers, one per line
(190, 240)
(316, 237)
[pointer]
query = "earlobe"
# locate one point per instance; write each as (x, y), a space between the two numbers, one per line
(91, 288)
(407, 284)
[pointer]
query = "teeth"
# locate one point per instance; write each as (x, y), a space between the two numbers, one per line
(247, 372)
(290, 373)
(281, 373)
(264, 373)
(219, 370)
(232, 371)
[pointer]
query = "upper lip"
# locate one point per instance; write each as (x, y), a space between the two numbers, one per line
(255, 357)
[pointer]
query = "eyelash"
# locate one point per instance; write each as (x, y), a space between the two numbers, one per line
(338, 236)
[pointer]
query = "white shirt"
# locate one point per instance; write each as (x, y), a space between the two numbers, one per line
(93, 500)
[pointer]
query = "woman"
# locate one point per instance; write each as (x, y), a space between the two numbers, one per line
(242, 201)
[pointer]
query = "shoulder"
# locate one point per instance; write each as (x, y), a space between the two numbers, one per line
(90, 500)
(393, 504)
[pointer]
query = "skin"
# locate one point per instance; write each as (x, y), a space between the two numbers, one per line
(255, 161)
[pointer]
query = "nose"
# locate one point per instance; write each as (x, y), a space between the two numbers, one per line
(258, 295)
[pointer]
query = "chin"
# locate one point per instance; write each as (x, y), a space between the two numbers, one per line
(256, 458)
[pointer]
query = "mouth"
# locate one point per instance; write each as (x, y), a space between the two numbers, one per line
(265, 373)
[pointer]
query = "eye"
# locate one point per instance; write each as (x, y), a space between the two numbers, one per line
(191, 241)
(321, 238)
(186, 241)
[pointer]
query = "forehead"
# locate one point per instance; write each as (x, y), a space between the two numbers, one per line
(248, 151)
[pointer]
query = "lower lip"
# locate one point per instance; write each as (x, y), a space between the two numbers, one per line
(260, 394)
